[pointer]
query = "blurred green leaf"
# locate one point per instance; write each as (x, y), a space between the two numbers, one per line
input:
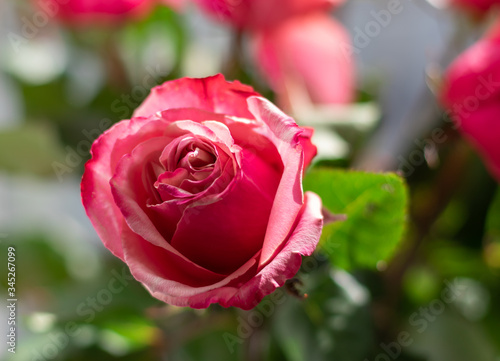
(448, 336)
(421, 284)
(45, 265)
(30, 149)
(375, 205)
(136, 332)
(452, 260)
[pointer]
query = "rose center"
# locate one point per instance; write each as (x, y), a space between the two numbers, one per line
(190, 166)
(196, 159)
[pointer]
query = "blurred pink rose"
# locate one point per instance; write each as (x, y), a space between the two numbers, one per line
(310, 52)
(476, 6)
(200, 194)
(100, 12)
(471, 93)
(261, 14)
(303, 53)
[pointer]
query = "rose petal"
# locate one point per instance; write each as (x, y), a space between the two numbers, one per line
(480, 7)
(151, 265)
(104, 13)
(482, 128)
(285, 134)
(146, 231)
(309, 148)
(261, 14)
(246, 295)
(244, 208)
(132, 192)
(473, 77)
(211, 94)
(96, 192)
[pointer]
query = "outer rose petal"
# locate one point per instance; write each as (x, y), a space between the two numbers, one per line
(96, 192)
(308, 54)
(302, 242)
(471, 92)
(212, 94)
(475, 74)
(310, 149)
(478, 6)
(260, 14)
(286, 136)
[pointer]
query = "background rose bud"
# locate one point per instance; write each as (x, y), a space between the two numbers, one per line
(260, 14)
(476, 6)
(106, 12)
(310, 53)
(471, 93)
(200, 194)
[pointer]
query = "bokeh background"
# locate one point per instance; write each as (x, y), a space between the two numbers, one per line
(63, 86)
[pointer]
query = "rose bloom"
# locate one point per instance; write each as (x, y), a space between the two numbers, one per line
(478, 7)
(309, 54)
(200, 193)
(471, 92)
(301, 51)
(101, 12)
(261, 14)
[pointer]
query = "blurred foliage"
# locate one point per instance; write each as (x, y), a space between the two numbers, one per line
(332, 323)
(30, 149)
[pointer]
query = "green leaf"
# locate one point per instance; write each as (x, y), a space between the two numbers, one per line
(375, 205)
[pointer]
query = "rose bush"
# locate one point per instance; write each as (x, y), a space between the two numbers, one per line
(200, 193)
(471, 92)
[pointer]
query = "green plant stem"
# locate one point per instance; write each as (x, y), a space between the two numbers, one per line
(448, 181)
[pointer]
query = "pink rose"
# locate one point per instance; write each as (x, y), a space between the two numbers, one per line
(478, 7)
(304, 54)
(260, 14)
(101, 12)
(310, 52)
(200, 193)
(471, 92)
